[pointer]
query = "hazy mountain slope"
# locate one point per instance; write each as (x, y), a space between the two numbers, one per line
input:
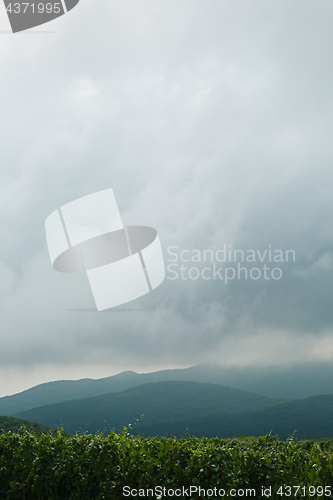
(310, 417)
(159, 402)
(66, 390)
(283, 382)
(205, 409)
(294, 382)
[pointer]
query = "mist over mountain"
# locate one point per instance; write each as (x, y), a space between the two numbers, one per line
(205, 410)
(205, 399)
(298, 381)
(157, 402)
(211, 123)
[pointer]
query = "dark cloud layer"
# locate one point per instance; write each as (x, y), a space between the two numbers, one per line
(212, 123)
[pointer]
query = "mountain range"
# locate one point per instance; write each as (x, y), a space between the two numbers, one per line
(157, 402)
(206, 400)
(296, 382)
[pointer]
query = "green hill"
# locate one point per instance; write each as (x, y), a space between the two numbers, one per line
(299, 381)
(311, 418)
(206, 410)
(160, 402)
(66, 390)
(14, 424)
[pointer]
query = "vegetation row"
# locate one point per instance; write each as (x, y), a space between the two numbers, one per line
(95, 467)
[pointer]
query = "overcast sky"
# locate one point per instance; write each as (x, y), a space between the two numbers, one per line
(212, 122)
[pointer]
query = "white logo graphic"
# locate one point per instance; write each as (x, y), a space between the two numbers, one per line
(122, 263)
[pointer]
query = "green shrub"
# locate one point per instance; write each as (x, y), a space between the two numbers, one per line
(93, 467)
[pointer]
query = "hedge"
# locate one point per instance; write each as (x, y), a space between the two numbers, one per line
(89, 467)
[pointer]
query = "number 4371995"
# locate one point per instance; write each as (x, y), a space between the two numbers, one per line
(40, 8)
(309, 491)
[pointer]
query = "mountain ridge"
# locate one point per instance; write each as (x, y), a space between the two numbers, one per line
(158, 401)
(299, 381)
(206, 410)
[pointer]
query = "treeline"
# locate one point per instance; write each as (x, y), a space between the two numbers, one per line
(90, 467)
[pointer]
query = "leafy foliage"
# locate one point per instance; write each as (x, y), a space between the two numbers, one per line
(90, 467)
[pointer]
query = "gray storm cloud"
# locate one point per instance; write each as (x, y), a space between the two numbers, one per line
(212, 123)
